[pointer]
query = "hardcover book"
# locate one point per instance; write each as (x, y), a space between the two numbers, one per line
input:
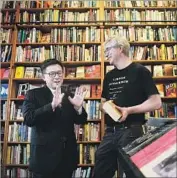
(171, 89)
(110, 108)
(19, 72)
(168, 69)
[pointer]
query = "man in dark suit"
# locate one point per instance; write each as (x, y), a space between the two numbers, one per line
(52, 114)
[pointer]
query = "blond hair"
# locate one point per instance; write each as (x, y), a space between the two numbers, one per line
(119, 41)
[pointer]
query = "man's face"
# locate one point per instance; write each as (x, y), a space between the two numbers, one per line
(53, 76)
(112, 52)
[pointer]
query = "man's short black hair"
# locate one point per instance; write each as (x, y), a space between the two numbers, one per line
(50, 62)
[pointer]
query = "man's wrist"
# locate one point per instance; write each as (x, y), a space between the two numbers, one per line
(59, 105)
(129, 110)
(53, 106)
(78, 109)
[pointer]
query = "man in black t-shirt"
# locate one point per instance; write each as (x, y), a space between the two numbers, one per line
(131, 87)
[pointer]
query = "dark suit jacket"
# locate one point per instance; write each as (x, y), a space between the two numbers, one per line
(50, 130)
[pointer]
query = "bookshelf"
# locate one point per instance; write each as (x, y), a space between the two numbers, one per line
(75, 32)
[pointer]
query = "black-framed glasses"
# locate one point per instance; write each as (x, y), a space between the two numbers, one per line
(54, 74)
(109, 48)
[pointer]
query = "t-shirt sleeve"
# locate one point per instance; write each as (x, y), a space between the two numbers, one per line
(148, 83)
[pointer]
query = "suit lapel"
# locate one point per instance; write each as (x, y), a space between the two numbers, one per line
(47, 94)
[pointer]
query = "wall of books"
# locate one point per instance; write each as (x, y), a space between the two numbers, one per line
(74, 32)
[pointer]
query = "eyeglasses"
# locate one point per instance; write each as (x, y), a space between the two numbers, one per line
(109, 48)
(54, 74)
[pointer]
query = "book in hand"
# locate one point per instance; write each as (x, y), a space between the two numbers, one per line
(110, 108)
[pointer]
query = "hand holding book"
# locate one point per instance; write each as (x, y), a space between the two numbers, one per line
(124, 112)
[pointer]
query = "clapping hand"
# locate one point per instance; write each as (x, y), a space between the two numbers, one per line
(57, 98)
(78, 98)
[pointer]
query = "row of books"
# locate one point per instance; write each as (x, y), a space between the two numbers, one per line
(88, 132)
(159, 17)
(72, 34)
(57, 4)
(84, 53)
(6, 52)
(7, 17)
(67, 53)
(155, 52)
(87, 153)
(16, 111)
(164, 70)
(167, 89)
(28, 72)
(18, 154)
(19, 133)
(5, 35)
(93, 71)
(140, 34)
(143, 15)
(22, 172)
(57, 17)
(8, 4)
(82, 172)
(18, 173)
(91, 3)
(92, 34)
(92, 109)
(154, 3)
(168, 110)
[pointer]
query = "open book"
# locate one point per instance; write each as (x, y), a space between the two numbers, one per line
(110, 108)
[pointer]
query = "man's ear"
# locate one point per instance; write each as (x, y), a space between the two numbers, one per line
(121, 49)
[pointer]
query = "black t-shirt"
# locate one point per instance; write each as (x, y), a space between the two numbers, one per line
(128, 87)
